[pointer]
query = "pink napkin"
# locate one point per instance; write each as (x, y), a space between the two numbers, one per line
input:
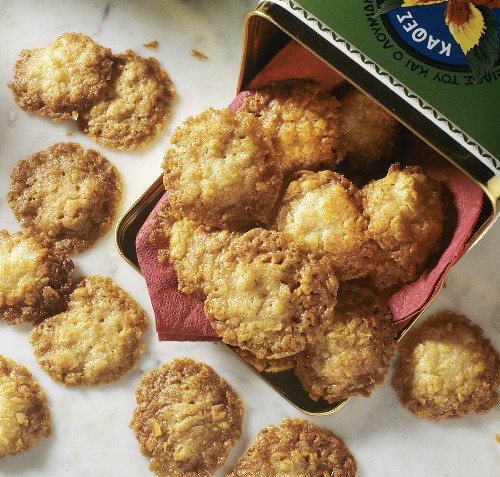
(180, 318)
(465, 201)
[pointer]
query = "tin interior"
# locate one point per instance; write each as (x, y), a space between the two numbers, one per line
(267, 31)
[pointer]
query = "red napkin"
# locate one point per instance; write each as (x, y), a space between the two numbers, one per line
(464, 203)
(179, 318)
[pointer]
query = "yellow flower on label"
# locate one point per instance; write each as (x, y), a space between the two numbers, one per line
(466, 24)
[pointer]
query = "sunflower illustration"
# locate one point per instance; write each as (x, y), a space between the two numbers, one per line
(473, 25)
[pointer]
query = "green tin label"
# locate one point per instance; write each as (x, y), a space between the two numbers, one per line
(450, 63)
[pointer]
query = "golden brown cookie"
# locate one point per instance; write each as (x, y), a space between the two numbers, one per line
(34, 281)
(323, 212)
(189, 247)
(24, 415)
(447, 369)
(405, 217)
(269, 297)
(65, 195)
(368, 135)
(135, 105)
(354, 354)
(301, 120)
(187, 419)
(297, 448)
(96, 340)
(221, 170)
(63, 78)
(265, 365)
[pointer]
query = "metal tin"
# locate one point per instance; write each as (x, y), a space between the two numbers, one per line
(267, 30)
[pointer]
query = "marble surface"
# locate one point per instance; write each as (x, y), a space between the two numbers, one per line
(90, 425)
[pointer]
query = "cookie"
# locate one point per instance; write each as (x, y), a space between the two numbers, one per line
(368, 135)
(189, 247)
(187, 419)
(35, 281)
(24, 415)
(63, 78)
(405, 214)
(353, 356)
(446, 369)
(323, 212)
(302, 122)
(265, 365)
(221, 171)
(297, 448)
(96, 340)
(65, 195)
(135, 105)
(269, 297)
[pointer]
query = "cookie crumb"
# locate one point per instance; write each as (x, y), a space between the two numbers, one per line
(152, 45)
(199, 56)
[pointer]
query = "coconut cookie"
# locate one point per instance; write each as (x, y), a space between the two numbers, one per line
(368, 134)
(265, 365)
(302, 121)
(96, 340)
(135, 105)
(189, 247)
(63, 78)
(187, 419)
(65, 195)
(297, 448)
(323, 212)
(221, 170)
(354, 354)
(24, 415)
(34, 281)
(269, 297)
(447, 369)
(405, 217)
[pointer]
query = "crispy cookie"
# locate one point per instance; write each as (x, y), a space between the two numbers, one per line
(24, 415)
(34, 280)
(297, 448)
(405, 217)
(135, 106)
(268, 296)
(221, 170)
(187, 419)
(189, 247)
(265, 365)
(301, 120)
(447, 369)
(63, 78)
(354, 354)
(323, 212)
(65, 195)
(368, 135)
(96, 340)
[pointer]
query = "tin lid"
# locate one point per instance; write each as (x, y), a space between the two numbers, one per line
(445, 54)
(456, 114)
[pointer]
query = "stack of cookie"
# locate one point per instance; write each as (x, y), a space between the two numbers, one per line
(273, 221)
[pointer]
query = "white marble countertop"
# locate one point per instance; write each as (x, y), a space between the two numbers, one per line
(90, 425)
